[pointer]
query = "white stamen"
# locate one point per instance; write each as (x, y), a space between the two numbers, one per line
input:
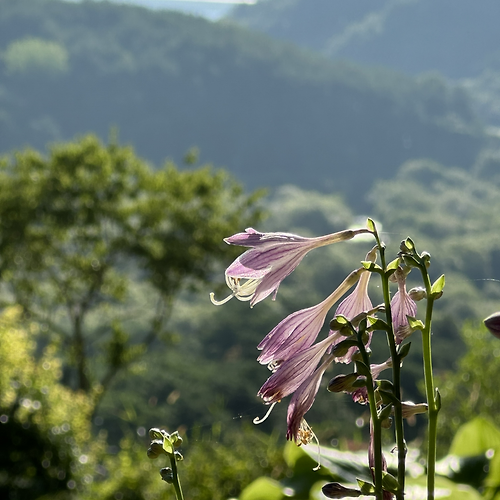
(258, 420)
(220, 302)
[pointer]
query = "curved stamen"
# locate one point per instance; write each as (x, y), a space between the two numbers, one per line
(258, 420)
(220, 302)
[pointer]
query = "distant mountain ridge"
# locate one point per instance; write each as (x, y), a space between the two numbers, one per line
(270, 112)
(458, 38)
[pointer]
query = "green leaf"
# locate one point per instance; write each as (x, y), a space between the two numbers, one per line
(415, 324)
(371, 266)
(263, 488)
(403, 350)
(389, 482)
(393, 265)
(437, 286)
(370, 224)
(167, 445)
(366, 487)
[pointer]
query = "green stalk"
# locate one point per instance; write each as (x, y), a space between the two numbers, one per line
(377, 427)
(176, 483)
(433, 408)
(396, 376)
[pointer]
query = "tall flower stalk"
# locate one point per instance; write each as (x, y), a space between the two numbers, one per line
(298, 357)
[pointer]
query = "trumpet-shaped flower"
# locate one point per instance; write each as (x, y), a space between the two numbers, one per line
(402, 306)
(300, 330)
(293, 372)
(302, 400)
(356, 303)
(270, 259)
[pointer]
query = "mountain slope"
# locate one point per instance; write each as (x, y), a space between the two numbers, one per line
(459, 38)
(268, 111)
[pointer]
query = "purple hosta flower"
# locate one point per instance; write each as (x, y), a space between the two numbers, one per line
(299, 330)
(301, 402)
(293, 372)
(356, 303)
(271, 258)
(360, 395)
(402, 305)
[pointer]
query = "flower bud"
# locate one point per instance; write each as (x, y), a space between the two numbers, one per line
(342, 383)
(167, 475)
(409, 409)
(155, 433)
(176, 439)
(178, 456)
(417, 293)
(155, 449)
(336, 490)
(493, 324)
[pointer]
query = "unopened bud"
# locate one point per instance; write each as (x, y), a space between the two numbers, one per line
(155, 433)
(176, 439)
(493, 324)
(417, 293)
(167, 475)
(409, 409)
(155, 449)
(342, 383)
(336, 490)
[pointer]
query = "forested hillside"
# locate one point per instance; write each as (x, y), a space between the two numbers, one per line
(458, 38)
(268, 111)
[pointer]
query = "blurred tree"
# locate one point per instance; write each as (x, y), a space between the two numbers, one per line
(471, 390)
(44, 426)
(35, 56)
(77, 227)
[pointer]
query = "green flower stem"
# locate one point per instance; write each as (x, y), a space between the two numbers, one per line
(176, 483)
(396, 375)
(377, 427)
(429, 387)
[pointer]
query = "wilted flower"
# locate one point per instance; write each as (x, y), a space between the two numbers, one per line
(299, 330)
(402, 306)
(271, 258)
(360, 395)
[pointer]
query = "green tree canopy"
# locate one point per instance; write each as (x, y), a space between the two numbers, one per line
(78, 226)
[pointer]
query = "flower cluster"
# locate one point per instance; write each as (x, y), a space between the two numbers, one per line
(292, 350)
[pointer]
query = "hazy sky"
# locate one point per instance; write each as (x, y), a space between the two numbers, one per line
(212, 9)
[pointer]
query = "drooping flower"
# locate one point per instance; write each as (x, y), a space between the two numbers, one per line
(270, 259)
(356, 303)
(402, 306)
(299, 330)
(293, 372)
(302, 400)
